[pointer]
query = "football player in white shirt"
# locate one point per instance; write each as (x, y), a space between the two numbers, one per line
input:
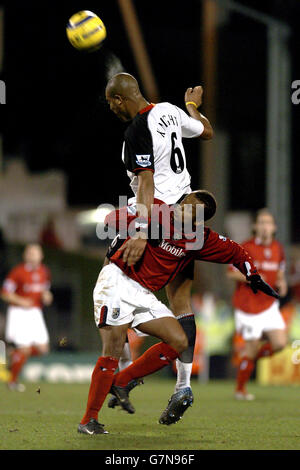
(154, 158)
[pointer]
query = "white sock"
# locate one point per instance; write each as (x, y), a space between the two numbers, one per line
(125, 360)
(184, 371)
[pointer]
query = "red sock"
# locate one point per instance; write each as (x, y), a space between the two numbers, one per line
(244, 372)
(18, 359)
(155, 358)
(34, 351)
(265, 351)
(102, 379)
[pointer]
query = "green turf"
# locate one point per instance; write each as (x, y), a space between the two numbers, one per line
(216, 421)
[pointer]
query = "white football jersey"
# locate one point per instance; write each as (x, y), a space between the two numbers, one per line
(153, 141)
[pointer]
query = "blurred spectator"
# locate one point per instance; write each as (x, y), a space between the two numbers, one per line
(48, 236)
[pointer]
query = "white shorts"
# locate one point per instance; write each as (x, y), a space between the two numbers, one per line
(25, 326)
(119, 299)
(252, 326)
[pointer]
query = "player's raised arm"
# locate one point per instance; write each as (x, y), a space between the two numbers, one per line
(145, 193)
(193, 100)
(134, 248)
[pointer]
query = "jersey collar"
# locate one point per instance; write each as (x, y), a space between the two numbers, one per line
(258, 241)
(147, 108)
(29, 267)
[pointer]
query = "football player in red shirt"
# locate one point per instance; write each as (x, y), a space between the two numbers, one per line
(123, 298)
(26, 290)
(257, 316)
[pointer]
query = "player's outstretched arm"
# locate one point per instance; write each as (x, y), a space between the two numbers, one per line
(193, 100)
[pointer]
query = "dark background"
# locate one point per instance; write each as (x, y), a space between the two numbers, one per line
(56, 116)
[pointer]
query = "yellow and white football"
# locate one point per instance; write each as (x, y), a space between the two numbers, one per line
(86, 31)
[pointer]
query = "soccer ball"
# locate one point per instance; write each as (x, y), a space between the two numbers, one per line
(86, 31)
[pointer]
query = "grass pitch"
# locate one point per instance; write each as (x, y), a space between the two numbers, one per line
(48, 420)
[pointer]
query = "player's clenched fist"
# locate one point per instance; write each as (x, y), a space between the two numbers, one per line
(257, 283)
(194, 95)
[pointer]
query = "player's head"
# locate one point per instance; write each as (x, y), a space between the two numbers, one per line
(264, 224)
(123, 94)
(33, 254)
(201, 196)
(208, 200)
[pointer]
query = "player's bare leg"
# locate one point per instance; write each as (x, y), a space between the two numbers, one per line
(179, 295)
(39, 349)
(277, 339)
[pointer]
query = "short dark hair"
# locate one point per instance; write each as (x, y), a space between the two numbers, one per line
(209, 201)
